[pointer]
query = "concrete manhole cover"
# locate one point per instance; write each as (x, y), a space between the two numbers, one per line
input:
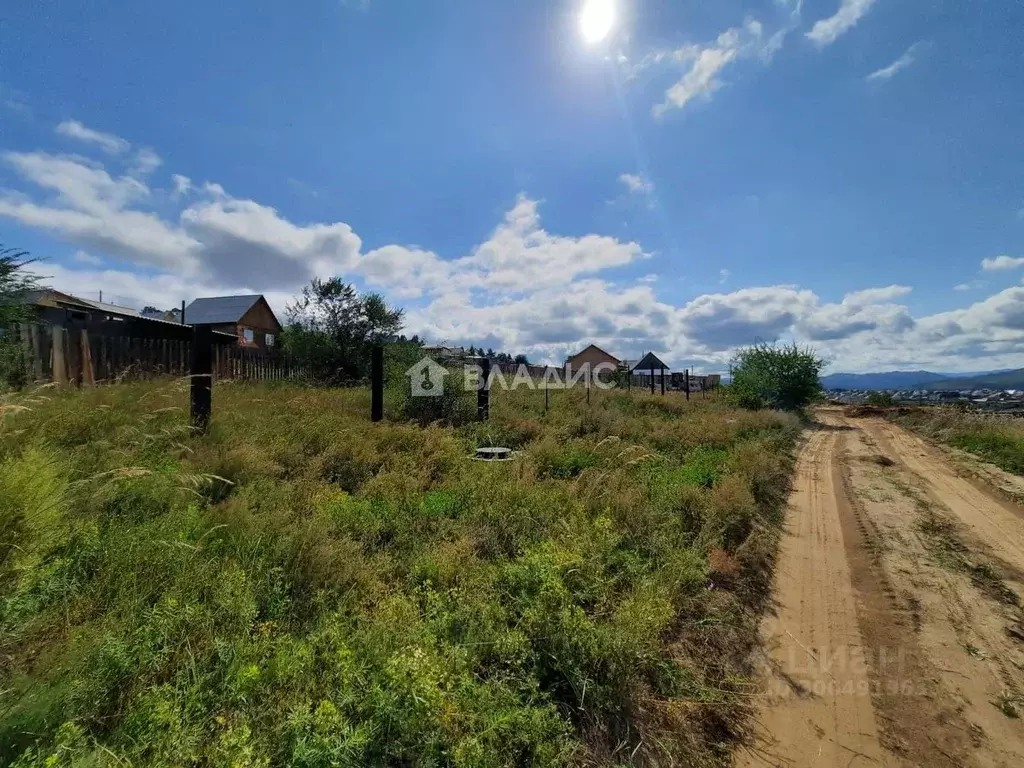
(494, 454)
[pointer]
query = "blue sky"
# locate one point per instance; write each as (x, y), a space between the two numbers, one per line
(847, 173)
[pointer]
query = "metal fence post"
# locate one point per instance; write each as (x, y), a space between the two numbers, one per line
(483, 395)
(201, 400)
(687, 383)
(377, 384)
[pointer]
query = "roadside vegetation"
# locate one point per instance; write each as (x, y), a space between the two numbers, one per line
(15, 283)
(881, 399)
(784, 376)
(996, 439)
(302, 587)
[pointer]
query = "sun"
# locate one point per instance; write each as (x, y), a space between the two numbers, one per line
(597, 19)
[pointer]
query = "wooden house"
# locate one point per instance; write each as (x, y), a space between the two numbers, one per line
(248, 318)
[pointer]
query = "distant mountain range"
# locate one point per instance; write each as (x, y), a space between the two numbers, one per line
(994, 380)
(1003, 379)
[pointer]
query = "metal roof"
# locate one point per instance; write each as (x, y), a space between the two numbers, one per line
(650, 362)
(219, 309)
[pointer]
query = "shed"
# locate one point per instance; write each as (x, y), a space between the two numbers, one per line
(650, 365)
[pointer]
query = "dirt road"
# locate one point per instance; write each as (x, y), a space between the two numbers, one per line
(897, 636)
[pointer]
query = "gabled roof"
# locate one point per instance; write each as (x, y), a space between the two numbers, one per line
(650, 362)
(219, 309)
(592, 346)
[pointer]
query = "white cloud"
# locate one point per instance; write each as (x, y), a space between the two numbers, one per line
(858, 312)
(1001, 263)
(723, 276)
(636, 184)
(96, 211)
(825, 31)
(743, 316)
(876, 295)
(182, 185)
(520, 255)
(108, 142)
(236, 237)
(969, 286)
(705, 63)
(87, 258)
(901, 63)
(705, 66)
(146, 161)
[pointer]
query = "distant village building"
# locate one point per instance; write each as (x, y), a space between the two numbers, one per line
(249, 318)
(592, 355)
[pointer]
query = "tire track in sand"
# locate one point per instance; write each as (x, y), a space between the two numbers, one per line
(817, 708)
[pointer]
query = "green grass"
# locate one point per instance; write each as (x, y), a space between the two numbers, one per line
(303, 587)
(949, 551)
(996, 439)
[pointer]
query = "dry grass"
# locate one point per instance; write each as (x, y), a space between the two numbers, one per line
(303, 587)
(994, 438)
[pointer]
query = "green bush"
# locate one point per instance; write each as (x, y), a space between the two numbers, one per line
(775, 376)
(452, 407)
(881, 399)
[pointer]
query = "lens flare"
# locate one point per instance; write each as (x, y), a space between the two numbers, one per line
(596, 20)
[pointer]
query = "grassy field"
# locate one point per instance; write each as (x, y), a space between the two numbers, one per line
(303, 587)
(997, 439)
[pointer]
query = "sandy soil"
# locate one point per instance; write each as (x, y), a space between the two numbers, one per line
(897, 637)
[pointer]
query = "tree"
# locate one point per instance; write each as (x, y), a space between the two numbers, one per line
(521, 360)
(15, 283)
(773, 376)
(334, 328)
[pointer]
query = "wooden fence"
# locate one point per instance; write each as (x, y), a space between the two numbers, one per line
(85, 357)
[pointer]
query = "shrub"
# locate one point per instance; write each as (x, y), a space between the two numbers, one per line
(452, 407)
(775, 376)
(881, 399)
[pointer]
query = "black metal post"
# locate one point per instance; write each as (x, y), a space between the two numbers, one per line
(663, 380)
(547, 396)
(629, 380)
(652, 377)
(377, 384)
(483, 395)
(182, 311)
(687, 383)
(201, 371)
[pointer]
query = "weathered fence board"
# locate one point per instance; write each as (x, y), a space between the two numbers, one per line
(84, 357)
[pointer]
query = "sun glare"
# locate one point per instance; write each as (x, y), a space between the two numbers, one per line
(597, 19)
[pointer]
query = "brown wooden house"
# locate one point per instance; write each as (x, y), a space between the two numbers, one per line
(593, 355)
(249, 318)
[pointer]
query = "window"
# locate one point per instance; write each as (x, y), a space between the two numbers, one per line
(247, 334)
(270, 339)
